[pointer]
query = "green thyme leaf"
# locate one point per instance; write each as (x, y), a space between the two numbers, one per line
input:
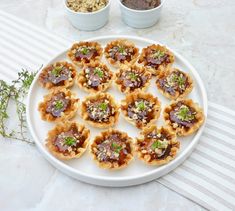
(141, 106)
(59, 105)
(99, 72)
(15, 93)
(85, 50)
(132, 75)
(56, 71)
(155, 145)
(121, 49)
(117, 148)
(103, 106)
(184, 114)
(179, 79)
(69, 141)
(158, 54)
(159, 145)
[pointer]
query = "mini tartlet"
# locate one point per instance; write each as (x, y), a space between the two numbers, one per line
(68, 140)
(131, 78)
(112, 149)
(183, 116)
(85, 52)
(174, 83)
(59, 105)
(141, 109)
(59, 74)
(156, 58)
(156, 145)
(95, 77)
(100, 110)
(120, 52)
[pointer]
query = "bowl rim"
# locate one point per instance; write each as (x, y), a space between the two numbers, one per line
(87, 13)
(141, 11)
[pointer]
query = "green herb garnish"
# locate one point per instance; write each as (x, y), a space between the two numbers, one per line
(158, 54)
(103, 106)
(69, 141)
(56, 71)
(158, 145)
(59, 104)
(184, 114)
(117, 148)
(179, 79)
(121, 49)
(85, 50)
(133, 76)
(14, 94)
(99, 72)
(141, 106)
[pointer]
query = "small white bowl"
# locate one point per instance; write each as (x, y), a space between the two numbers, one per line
(140, 18)
(88, 21)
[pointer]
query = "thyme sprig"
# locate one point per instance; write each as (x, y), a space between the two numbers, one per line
(15, 93)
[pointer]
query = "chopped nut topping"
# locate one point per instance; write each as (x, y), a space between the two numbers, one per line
(182, 115)
(158, 54)
(133, 79)
(175, 79)
(173, 82)
(140, 109)
(57, 74)
(121, 53)
(96, 76)
(86, 5)
(85, 52)
(113, 148)
(156, 57)
(69, 141)
(58, 104)
(100, 110)
(155, 144)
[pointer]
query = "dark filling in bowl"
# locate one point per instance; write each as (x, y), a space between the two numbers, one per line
(113, 149)
(141, 4)
(57, 104)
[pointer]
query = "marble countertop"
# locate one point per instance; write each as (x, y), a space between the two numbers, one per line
(202, 31)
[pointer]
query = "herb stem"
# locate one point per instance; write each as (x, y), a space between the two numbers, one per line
(15, 92)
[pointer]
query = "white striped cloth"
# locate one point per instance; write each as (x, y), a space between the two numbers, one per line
(207, 177)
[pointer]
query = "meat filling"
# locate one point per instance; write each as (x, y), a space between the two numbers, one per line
(113, 149)
(58, 104)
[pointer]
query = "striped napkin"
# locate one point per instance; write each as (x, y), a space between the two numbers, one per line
(207, 177)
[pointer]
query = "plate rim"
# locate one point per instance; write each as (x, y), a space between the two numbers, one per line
(124, 180)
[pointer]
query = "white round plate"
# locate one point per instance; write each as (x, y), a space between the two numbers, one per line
(84, 168)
